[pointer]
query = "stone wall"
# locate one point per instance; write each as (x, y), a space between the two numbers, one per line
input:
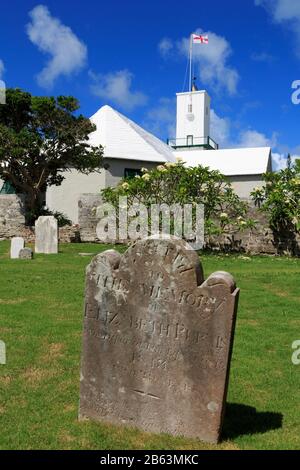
(87, 217)
(260, 240)
(12, 222)
(67, 234)
(12, 218)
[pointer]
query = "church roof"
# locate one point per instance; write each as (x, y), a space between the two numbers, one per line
(230, 162)
(122, 138)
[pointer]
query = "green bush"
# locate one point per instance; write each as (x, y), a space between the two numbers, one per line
(173, 183)
(280, 197)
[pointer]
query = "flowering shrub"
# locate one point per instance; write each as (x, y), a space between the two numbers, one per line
(173, 183)
(280, 198)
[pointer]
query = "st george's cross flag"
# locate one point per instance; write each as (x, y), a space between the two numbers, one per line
(199, 39)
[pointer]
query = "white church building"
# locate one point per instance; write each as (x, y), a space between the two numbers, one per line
(128, 148)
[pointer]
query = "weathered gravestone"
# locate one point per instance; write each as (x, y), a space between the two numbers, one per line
(17, 244)
(46, 235)
(2, 353)
(157, 340)
(26, 253)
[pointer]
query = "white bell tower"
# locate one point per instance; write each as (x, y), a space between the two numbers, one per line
(193, 120)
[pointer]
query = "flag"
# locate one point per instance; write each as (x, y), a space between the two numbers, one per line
(199, 39)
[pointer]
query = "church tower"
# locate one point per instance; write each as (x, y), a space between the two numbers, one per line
(193, 121)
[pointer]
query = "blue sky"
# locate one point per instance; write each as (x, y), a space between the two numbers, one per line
(132, 55)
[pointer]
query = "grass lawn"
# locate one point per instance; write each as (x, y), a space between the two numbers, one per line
(41, 323)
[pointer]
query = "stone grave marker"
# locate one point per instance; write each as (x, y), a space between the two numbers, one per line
(26, 253)
(157, 340)
(2, 353)
(46, 235)
(17, 244)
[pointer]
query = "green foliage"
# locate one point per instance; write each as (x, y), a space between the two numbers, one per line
(173, 183)
(280, 197)
(40, 138)
(62, 219)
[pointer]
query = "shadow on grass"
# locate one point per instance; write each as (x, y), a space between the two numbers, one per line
(242, 419)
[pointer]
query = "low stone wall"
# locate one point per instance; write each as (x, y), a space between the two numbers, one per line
(12, 222)
(12, 218)
(67, 234)
(260, 240)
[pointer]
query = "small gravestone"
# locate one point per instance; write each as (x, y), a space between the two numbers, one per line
(2, 353)
(26, 253)
(46, 235)
(157, 340)
(17, 244)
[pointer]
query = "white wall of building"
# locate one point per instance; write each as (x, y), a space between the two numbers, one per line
(243, 185)
(64, 198)
(193, 115)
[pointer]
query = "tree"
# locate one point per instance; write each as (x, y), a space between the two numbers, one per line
(280, 196)
(40, 139)
(174, 183)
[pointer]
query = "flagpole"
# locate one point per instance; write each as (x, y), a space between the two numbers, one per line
(191, 54)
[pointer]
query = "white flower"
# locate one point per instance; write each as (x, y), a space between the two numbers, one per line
(170, 165)
(125, 185)
(144, 170)
(223, 215)
(146, 177)
(137, 176)
(161, 168)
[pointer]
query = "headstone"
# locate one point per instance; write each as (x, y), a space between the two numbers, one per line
(157, 340)
(26, 253)
(46, 235)
(2, 353)
(17, 244)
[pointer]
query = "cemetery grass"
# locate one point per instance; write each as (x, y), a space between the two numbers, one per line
(41, 323)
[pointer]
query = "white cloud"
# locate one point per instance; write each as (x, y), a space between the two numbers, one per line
(285, 12)
(161, 119)
(68, 53)
(280, 160)
(165, 46)
(116, 87)
(212, 61)
(252, 138)
(220, 129)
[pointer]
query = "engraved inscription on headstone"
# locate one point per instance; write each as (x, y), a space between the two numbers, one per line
(46, 235)
(157, 340)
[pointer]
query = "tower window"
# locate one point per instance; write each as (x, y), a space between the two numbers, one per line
(190, 108)
(189, 139)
